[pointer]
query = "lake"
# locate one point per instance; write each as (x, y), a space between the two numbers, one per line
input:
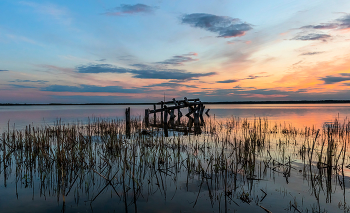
(248, 158)
(300, 115)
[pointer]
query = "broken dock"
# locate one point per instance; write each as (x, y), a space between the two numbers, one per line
(167, 110)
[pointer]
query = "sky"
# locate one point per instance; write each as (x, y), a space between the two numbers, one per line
(115, 51)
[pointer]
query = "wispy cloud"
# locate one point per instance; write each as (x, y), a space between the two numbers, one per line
(171, 84)
(224, 26)
(4, 70)
(228, 81)
(339, 24)
(22, 86)
(331, 79)
(250, 77)
(130, 9)
(58, 13)
(90, 88)
(312, 37)
(180, 59)
(143, 71)
(29, 81)
(311, 53)
(18, 38)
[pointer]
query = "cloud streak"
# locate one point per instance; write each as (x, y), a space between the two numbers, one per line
(250, 77)
(228, 81)
(89, 88)
(331, 79)
(180, 59)
(28, 81)
(171, 84)
(311, 53)
(128, 9)
(224, 26)
(144, 72)
(339, 24)
(56, 12)
(312, 37)
(22, 86)
(4, 70)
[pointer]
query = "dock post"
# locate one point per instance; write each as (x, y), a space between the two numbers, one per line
(154, 115)
(127, 121)
(201, 110)
(172, 119)
(165, 129)
(179, 115)
(147, 117)
(161, 115)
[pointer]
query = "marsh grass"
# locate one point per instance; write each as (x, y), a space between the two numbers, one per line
(226, 167)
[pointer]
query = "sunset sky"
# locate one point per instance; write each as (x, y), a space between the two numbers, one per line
(136, 51)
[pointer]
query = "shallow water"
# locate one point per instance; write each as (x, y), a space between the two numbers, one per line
(299, 115)
(280, 168)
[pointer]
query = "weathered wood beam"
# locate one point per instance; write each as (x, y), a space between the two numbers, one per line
(127, 121)
(161, 107)
(179, 101)
(147, 117)
(207, 112)
(154, 115)
(172, 107)
(165, 123)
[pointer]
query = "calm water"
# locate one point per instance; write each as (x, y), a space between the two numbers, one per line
(299, 115)
(279, 169)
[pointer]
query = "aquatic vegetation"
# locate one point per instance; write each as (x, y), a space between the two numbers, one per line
(234, 165)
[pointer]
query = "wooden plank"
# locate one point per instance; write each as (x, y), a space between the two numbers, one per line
(161, 107)
(179, 101)
(201, 110)
(172, 119)
(172, 107)
(165, 128)
(154, 115)
(127, 121)
(147, 117)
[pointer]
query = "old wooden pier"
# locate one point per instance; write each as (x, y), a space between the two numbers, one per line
(167, 110)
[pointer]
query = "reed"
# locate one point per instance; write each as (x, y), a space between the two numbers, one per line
(136, 162)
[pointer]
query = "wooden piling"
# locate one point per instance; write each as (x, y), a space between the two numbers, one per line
(179, 115)
(196, 122)
(165, 128)
(207, 112)
(154, 115)
(147, 117)
(161, 115)
(127, 121)
(172, 119)
(201, 110)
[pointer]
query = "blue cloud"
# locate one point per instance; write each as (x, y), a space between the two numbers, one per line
(90, 88)
(21, 86)
(171, 85)
(224, 26)
(3, 70)
(130, 9)
(336, 79)
(341, 23)
(228, 81)
(311, 53)
(29, 81)
(180, 59)
(313, 36)
(143, 71)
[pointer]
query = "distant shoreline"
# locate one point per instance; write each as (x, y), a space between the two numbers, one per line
(204, 102)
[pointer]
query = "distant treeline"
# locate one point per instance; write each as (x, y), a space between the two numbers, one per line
(204, 102)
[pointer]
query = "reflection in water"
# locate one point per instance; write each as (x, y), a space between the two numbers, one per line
(299, 115)
(235, 165)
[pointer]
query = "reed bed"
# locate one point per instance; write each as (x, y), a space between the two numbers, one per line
(231, 166)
